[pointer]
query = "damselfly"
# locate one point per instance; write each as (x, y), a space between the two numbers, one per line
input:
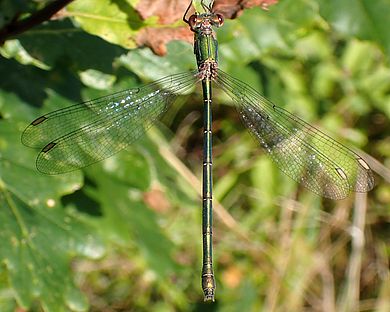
(82, 134)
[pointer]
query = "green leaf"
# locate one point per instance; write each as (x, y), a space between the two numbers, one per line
(13, 49)
(69, 46)
(39, 238)
(36, 243)
(9, 9)
(96, 79)
(149, 66)
(114, 21)
(364, 19)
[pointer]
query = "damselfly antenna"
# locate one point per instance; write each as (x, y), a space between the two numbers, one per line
(185, 20)
(209, 7)
(206, 7)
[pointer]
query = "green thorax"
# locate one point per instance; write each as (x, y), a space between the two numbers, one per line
(205, 42)
(205, 47)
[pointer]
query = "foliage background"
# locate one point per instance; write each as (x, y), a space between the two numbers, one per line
(125, 234)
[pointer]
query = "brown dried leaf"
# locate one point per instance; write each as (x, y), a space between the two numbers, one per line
(233, 8)
(168, 11)
(172, 10)
(157, 38)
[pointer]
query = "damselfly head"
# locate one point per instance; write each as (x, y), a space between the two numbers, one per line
(205, 21)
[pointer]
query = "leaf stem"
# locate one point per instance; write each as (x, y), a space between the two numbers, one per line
(16, 27)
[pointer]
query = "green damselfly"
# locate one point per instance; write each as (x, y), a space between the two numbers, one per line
(82, 134)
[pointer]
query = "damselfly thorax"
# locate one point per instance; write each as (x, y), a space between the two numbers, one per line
(205, 42)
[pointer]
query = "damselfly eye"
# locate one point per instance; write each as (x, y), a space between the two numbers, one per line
(218, 20)
(192, 21)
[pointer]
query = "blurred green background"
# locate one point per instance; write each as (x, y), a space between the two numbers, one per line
(125, 234)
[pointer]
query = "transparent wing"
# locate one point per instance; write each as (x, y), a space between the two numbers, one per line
(304, 153)
(85, 133)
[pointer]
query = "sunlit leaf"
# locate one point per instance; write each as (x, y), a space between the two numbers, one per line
(39, 237)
